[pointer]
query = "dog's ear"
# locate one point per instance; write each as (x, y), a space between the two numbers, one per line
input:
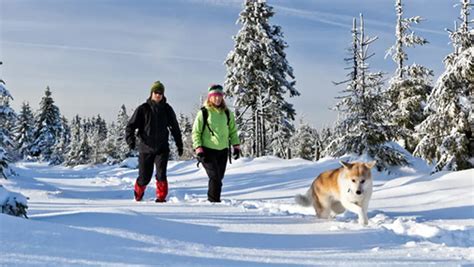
(346, 165)
(371, 164)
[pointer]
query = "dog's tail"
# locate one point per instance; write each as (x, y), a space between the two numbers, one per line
(305, 200)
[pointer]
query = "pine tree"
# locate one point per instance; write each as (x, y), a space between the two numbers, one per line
(325, 138)
(61, 148)
(88, 144)
(257, 72)
(362, 128)
(13, 203)
(98, 136)
(47, 127)
(405, 38)
(303, 142)
(462, 37)
(6, 114)
(24, 130)
(88, 125)
(186, 132)
(110, 147)
(84, 155)
(408, 90)
(101, 126)
(123, 150)
(447, 133)
(280, 143)
(98, 154)
(72, 157)
(8, 124)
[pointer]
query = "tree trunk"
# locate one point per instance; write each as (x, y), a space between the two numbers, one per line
(263, 137)
(257, 149)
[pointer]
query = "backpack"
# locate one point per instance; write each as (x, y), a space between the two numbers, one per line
(205, 115)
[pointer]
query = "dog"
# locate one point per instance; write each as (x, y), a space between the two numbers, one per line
(335, 191)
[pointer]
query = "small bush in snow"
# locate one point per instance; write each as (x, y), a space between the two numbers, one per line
(13, 203)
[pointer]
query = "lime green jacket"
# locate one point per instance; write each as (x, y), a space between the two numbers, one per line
(217, 121)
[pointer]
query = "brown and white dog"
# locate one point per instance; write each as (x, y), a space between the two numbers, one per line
(348, 187)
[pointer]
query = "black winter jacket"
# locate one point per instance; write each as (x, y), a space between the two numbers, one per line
(153, 121)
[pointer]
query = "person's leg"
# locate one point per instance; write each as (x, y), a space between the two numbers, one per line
(211, 165)
(161, 162)
(222, 162)
(145, 171)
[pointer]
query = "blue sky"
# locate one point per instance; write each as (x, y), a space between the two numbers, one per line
(99, 54)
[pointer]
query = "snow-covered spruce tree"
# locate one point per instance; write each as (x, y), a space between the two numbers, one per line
(73, 147)
(110, 146)
(8, 123)
(60, 149)
(447, 134)
(362, 128)
(79, 148)
(85, 150)
(186, 130)
(101, 126)
(24, 130)
(97, 143)
(97, 131)
(280, 139)
(325, 138)
(47, 127)
(257, 72)
(123, 151)
(317, 146)
(462, 36)
(87, 125)
(409, 88)
(6, 114)
(303, 142)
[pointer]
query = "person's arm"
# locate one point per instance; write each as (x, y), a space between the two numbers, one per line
(135, 122)
(233, 132)
(197, 130)
(175, 131)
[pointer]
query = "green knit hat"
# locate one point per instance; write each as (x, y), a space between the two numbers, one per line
(157, 87)
(215, 89)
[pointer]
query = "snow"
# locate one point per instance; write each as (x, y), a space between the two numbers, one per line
(86, 216)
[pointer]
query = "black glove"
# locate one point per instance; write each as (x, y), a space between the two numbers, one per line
(200, 157)
(236, 153)
(180, 151)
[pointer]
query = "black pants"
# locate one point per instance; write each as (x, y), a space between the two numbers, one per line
(145, 167)
(215, 163)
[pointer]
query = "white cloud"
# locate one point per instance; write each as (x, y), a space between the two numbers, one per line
(111, 51)
(231, 3)
(339, 20)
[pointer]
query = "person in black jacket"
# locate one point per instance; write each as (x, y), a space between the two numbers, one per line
(153, 119)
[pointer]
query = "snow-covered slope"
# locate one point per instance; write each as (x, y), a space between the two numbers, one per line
(86, 216)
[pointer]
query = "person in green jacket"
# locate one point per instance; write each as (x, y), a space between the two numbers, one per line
(212, 139)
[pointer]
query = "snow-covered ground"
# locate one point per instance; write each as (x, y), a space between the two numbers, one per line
(86, 216)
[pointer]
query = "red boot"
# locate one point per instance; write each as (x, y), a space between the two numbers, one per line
(139, 191)
(161, 191)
